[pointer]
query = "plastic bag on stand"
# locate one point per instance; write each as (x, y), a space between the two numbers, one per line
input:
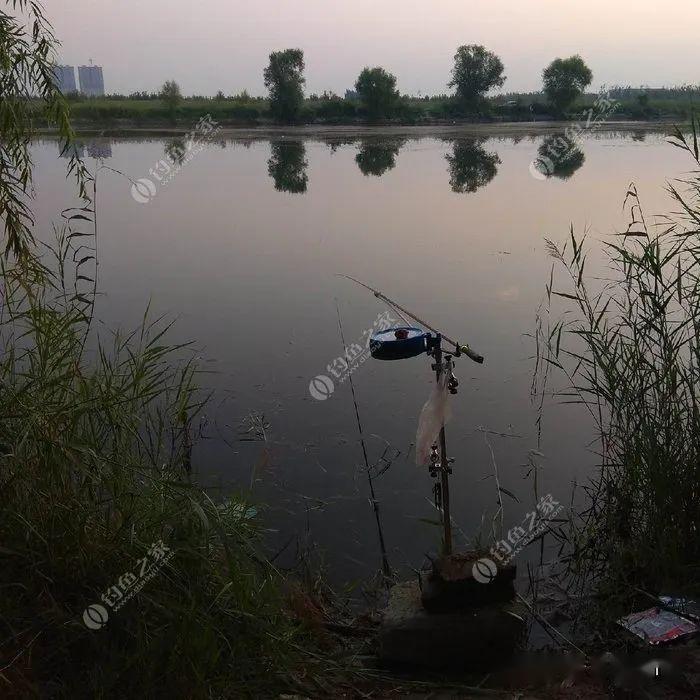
(433, 416)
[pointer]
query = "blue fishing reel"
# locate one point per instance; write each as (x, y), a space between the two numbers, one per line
(403, 342)
(399, 343)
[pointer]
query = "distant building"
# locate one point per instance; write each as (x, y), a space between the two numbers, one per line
(351, 95)
(64, 77)
(91, 80)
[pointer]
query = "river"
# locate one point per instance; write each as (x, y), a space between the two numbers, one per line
(241, 242)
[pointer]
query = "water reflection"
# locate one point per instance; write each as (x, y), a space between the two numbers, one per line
(559, 156)
(338, 142)
(99, 149)
(287, 166)
(176, 150)
(74, 150)
(378, 157)
(471, 166)
(473, 162)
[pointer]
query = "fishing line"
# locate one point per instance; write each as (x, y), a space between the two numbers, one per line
(375, 505)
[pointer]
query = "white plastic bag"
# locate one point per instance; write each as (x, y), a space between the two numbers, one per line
(433, 416)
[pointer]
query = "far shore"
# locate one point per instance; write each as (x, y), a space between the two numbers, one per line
(354, 131)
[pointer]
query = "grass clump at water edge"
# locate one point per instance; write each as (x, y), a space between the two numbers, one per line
(628, 346)
(94, 461)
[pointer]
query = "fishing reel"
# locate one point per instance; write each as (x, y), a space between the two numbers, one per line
(403, 342)
(399, 343)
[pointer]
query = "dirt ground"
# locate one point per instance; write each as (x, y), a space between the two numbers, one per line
(678, 677)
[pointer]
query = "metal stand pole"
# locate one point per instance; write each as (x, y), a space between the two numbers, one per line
(444, 466)
(445, 481)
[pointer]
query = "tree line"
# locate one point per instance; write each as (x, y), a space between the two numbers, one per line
(475, 72)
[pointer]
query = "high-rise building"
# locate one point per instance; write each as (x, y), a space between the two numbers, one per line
(91, 81)
(65, 78)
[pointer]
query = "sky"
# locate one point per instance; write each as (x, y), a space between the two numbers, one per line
(213, 45)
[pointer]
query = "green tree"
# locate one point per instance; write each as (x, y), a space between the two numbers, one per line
(285, 81)
(475, 72)
(28, 94)
(470, 166)
(220, 97)
(564, 80)
(287, 166)
(170, 95)
(377, 90)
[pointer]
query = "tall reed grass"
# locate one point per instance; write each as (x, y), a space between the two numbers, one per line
(95, 456)
(627, 343)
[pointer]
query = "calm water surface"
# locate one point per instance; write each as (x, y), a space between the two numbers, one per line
(242, 246)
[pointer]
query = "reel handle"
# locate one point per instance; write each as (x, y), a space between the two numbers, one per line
(465, 349)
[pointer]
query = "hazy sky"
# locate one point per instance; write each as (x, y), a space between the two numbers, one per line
(215, 45)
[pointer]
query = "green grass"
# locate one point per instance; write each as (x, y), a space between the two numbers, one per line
(95, 459)
(115, 111)
(153, 112)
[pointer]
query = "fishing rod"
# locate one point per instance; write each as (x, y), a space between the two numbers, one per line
(404, 342)
(460, 348)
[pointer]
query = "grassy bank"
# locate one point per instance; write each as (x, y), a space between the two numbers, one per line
(96, 439)
(143, 112)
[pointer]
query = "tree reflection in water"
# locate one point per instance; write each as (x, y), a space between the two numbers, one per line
(471, 166)
(176, 150)
(287, 166)
(377, 157)
(559, 156)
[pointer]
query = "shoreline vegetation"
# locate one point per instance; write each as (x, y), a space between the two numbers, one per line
(120, 113)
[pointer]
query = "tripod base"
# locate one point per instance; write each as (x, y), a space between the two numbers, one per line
(454, 584)
(475, 639)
